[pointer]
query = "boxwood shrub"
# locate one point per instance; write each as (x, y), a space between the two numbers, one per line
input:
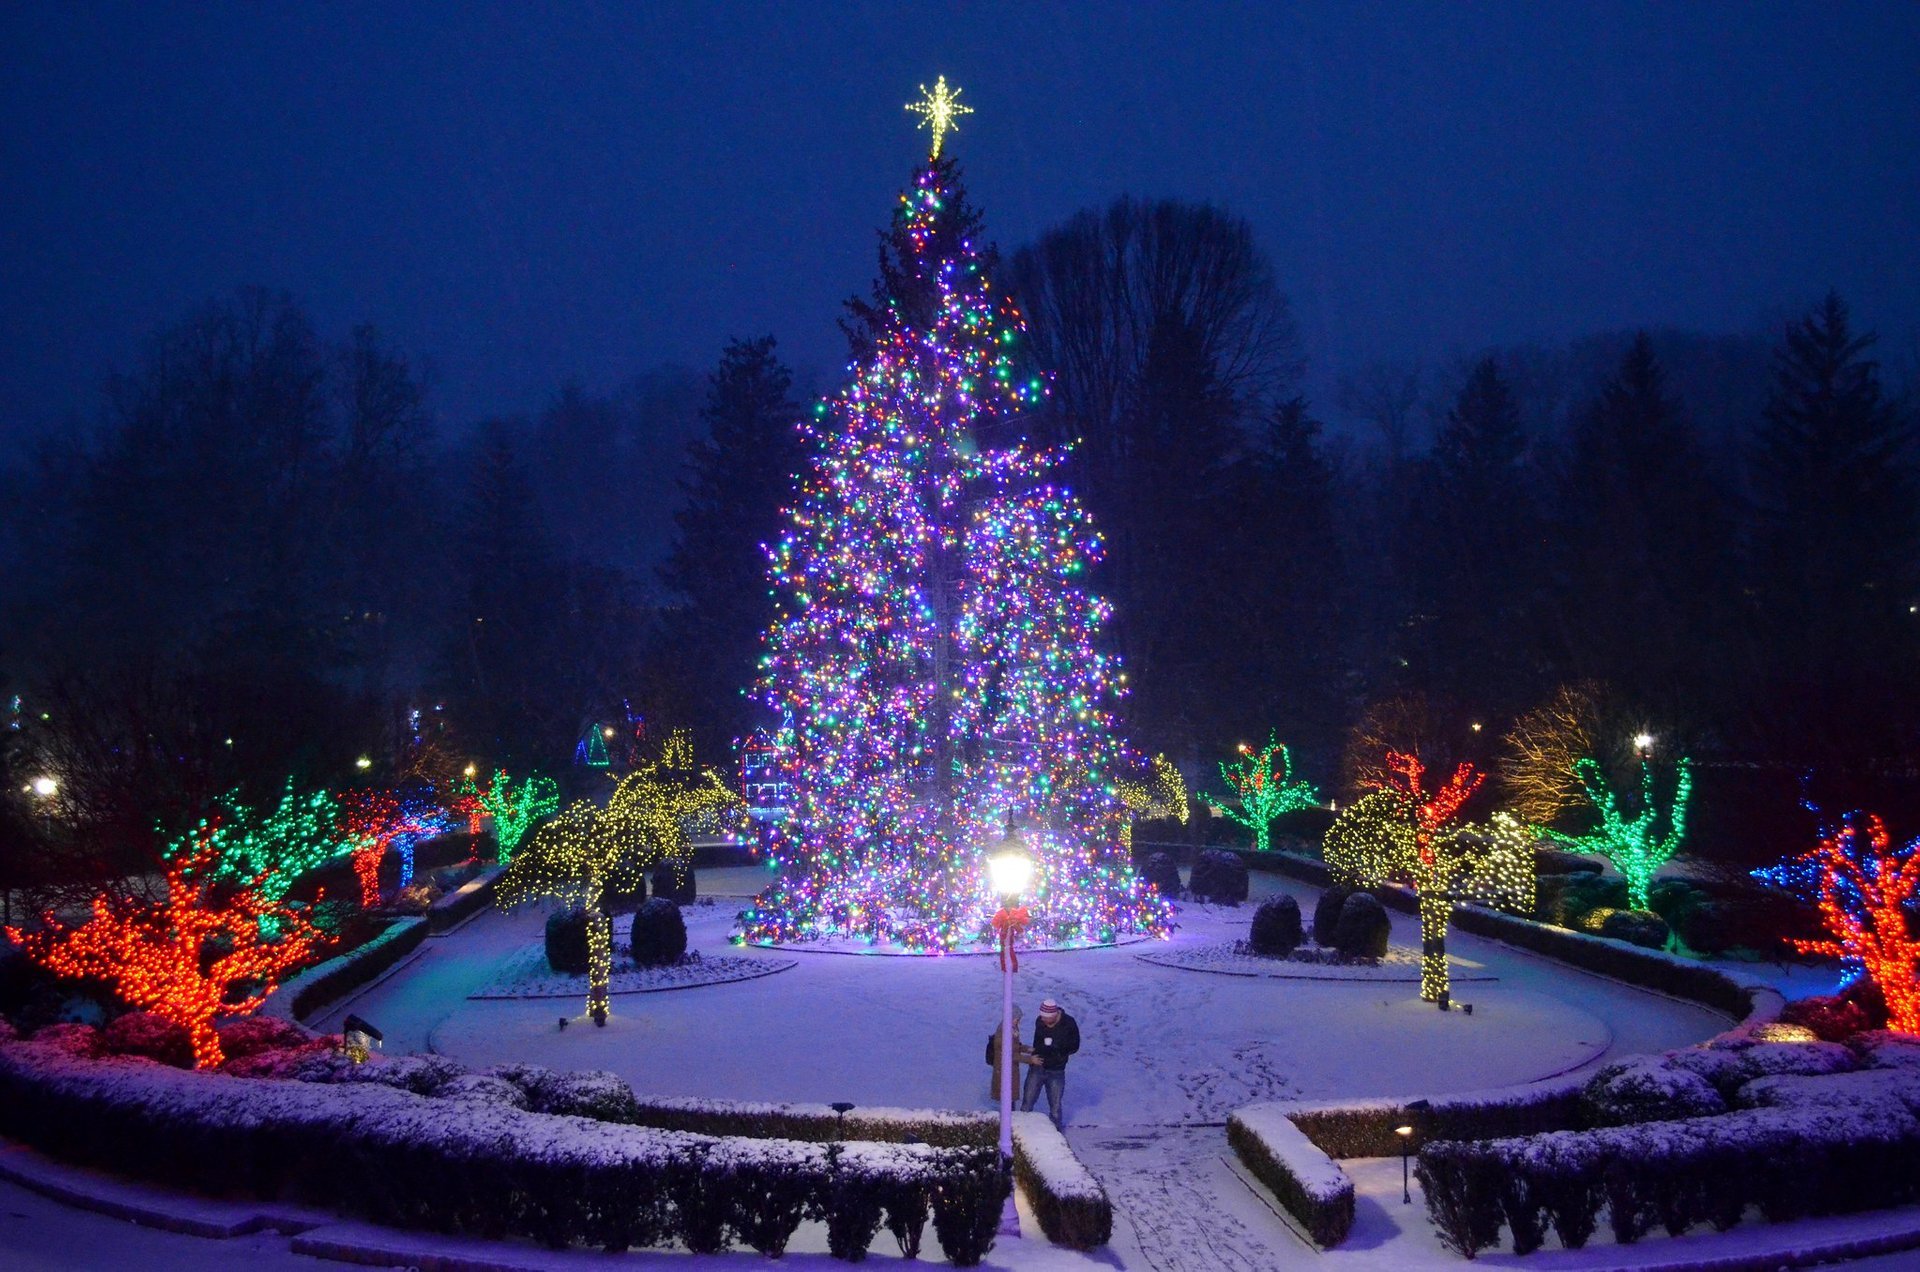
(485, 1167)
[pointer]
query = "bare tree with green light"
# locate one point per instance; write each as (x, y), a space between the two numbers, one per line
(1260, 792)
(1634, 843)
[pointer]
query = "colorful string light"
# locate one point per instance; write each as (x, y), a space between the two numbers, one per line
(1634, 845)
(267, 852)
(934, 640)
(1405, 834)
(515, 809)
(1160, 793)
(204, 949)
(1866, 889)
(586, 853)
(1260, 793)
(372, 822)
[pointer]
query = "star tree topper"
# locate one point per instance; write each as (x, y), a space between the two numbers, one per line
(939, 110)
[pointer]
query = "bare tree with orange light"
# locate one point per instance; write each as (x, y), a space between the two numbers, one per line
(197, 952)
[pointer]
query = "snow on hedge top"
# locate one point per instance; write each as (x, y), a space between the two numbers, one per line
(1039, 1146)
(1319, 1176)
(391, 1115)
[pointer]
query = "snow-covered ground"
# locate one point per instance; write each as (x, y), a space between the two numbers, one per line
(1162, 1045)
(1168, 1052)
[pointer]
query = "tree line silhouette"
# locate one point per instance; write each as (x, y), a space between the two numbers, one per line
(264, 556)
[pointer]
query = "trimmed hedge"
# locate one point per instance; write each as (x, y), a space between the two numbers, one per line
(657, 936)
(1815, 1158)
(1219, 877)
(1304, 1179)
(816, 1123)
(464, 901)
(487, 1168)
(319, 986)
(1072, 1207)
(1365, 1128)
(1275, 931)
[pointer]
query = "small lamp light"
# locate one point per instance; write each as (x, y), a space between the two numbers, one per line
(1643, 743)
(358, 1038)
(45, 787)
(1010, 868)
(363, 763)
(1406, 1132)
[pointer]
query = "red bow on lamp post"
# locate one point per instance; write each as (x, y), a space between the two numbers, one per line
(1008, 921)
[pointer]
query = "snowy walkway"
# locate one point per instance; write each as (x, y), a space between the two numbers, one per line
(1168, 1052)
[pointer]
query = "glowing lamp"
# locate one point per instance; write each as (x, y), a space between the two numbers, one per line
(363, 763)
(1010, 868)
(358, 1038)
(470, 770)
(1643, 741)
(45, 787)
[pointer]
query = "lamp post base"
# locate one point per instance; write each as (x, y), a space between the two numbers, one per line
(1010, 1218)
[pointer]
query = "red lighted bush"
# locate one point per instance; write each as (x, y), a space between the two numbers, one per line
(1832, 1019)
(253, 1034)
(141, 1033)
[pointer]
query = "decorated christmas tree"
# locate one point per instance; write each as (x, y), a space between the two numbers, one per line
(935, 639)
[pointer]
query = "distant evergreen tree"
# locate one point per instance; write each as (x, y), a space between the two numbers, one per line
(1174, 528)
(738, 477)
(501, 657)
(1643, 544)
(1477, 553)
(1286, 571)
(1834, 549)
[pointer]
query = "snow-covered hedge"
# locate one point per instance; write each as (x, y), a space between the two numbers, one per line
(816, 1123)
(1073, 1209)
(464, 901)
(482, 1166)
(303, 995)
(1306, 1181)
(1808, 1152)
(1365, 1128)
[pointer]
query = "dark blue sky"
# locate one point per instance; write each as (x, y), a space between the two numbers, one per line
(521, 193)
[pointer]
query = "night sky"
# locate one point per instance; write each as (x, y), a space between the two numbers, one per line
(519, 194)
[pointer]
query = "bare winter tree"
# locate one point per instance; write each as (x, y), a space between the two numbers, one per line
(1096, 287)
(1385, 396)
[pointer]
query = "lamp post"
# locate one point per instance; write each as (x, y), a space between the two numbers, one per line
(1010, 869)
(1643, 743)
(1405, 1132)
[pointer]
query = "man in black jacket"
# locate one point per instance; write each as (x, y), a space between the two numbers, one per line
(1056, 1036)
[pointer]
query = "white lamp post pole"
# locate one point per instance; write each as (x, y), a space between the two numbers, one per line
(1011, 870)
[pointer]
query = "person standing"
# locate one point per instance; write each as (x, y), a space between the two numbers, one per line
(1020, 1056)
(1056, 1036)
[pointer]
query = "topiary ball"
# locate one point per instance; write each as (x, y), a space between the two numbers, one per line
(1637, 927)
(1364, 927)
(567, 942)
(659, 937)
(1163, 873)
(673, 879)
(1276, 927)
(1326, 913)
(1219, 876)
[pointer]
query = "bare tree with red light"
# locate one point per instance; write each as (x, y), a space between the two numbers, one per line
(1865, 888)
(372, 821)
(197, 952)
